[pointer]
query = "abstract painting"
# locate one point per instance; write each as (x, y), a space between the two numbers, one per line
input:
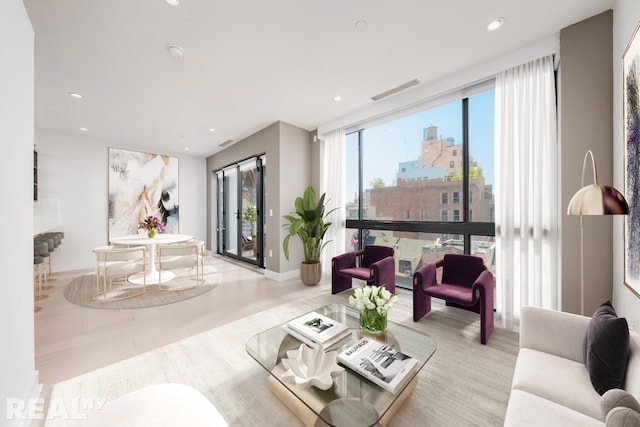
(141, 184)
(631, 114)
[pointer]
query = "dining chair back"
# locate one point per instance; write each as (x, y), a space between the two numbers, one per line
(119, 262)
(187, 255)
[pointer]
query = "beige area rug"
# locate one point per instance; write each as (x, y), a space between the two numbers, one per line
(465, 383)
(80, 291)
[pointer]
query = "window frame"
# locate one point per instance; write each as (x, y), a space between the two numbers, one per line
(464, 227)
(456, 197)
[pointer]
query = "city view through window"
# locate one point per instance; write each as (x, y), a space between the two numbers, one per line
(423, 183)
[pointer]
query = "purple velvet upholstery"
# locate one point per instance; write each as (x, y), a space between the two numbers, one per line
(465, 284)
(377, 267)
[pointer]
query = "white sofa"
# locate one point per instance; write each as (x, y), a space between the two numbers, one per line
(551, 385)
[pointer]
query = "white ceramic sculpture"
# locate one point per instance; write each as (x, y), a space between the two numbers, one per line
(308, 366)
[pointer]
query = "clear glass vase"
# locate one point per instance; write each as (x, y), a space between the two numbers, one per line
(373, 322)
(151, 234)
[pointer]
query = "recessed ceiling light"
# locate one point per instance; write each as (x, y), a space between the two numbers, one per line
(83, 129)
(173, 2)
(495, 24)
(75, 95)
(175, 50)
(186, 148)
(212, 130)
(360, 25)
(337, 98)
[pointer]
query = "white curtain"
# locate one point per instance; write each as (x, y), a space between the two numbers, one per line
(333, 182)
(527, 185)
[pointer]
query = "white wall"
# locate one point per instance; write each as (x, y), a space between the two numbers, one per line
(18, 378)
(73, 173)
(626, 15)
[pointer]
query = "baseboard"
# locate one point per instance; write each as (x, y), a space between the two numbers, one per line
(280, 277)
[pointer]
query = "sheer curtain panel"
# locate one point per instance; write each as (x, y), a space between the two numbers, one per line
(526, 195)
(333, 182)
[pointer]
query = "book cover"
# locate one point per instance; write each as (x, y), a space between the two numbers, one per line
(381, 364)
(317, 327)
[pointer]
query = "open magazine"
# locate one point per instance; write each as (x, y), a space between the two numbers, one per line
(381, 364)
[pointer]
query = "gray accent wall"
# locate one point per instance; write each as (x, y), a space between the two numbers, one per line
(289, 161)
(585, 123)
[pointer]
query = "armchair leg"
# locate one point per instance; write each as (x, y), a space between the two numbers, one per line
(421, 305)
(339, 283)
(486, 318)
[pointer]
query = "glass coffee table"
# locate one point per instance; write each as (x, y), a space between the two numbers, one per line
(352, 400)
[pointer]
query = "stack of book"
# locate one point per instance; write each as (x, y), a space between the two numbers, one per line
(315, 329)
(379, 363)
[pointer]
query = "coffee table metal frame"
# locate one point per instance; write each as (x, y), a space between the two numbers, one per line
(353, 400)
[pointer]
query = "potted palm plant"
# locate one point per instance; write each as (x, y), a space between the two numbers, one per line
(308, 223)
(250, 215)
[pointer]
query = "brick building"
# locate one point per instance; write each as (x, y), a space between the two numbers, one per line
(430, 188)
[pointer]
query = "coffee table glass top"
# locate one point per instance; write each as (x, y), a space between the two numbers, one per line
(352, 400)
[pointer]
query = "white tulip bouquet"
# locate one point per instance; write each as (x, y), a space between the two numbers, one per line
(373, 302)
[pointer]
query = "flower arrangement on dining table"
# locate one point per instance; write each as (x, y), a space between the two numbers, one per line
(152, 225)
(374, 303)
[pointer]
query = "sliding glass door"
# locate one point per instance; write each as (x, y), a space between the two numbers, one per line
(240, 210)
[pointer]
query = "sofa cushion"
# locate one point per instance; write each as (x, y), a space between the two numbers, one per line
(606, 349)
(528, 410)
(557, 379)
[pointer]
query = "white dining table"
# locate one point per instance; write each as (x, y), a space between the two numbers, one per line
(142, 239)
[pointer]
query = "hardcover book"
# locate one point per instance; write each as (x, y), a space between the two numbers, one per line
(317, 328)
(379, 363)
(313, 344)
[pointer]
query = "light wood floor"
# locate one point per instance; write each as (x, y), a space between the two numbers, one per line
(71, 340)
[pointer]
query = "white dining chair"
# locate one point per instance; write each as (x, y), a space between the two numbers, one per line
(119, 263)
(182, 255)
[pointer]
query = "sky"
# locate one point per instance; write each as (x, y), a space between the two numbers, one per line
(388, 144)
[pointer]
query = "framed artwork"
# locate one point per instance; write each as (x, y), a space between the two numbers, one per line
(631, 115)
(142, 184)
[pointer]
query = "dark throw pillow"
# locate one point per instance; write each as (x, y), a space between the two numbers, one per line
(606, 349)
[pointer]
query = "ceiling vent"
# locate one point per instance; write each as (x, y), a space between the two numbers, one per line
(396, 89)
(224, 144)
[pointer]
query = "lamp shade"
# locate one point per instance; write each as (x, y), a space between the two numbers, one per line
(597, 199)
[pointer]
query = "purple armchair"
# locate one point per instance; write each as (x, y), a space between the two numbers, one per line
(248, 243)
(466, 283)
(377, 267)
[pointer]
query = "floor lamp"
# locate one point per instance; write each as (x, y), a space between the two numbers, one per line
(594, 199)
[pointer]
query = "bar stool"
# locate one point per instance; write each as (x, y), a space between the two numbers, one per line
(37, 271)
(56, 236)
(50, 242)
(40, 254)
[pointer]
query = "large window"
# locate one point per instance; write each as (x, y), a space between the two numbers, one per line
(410, 181)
